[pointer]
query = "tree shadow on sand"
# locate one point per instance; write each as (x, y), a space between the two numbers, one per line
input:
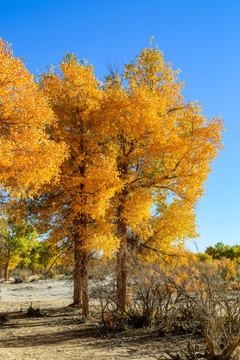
(143, 342)
(49, 338)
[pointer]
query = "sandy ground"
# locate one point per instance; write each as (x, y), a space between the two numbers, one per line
(13, 296)
(61, 334)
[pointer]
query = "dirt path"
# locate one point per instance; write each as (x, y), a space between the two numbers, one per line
(61, 334)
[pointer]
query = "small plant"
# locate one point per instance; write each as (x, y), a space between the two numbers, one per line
(34, 311)
(4, 318)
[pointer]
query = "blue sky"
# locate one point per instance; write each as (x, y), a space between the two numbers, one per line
(202, 38)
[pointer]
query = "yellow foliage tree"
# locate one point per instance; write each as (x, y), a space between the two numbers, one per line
(164, 147)
(134, 147)
(73, 209)
(28, 157)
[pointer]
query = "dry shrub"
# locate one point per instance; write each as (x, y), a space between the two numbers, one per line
(214, 302)
(198, 297)
(21, 275)
(33, 311)
(150, 301)
(102, 288)
(103, 297)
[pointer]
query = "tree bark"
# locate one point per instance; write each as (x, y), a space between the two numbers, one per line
(84, 275)
(122, 274)
(6, 271)
(81, 293)
(122, 254)
(77, 286)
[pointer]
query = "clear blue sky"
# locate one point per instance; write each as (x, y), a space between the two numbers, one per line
(202, 38)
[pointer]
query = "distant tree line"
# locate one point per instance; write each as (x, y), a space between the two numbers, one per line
(19, 247)
(220, 251)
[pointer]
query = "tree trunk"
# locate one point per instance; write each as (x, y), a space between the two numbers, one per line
(122, 254)
(122, 274)
(84, 276)
(77, 289)
(81, 294)
(6, 272)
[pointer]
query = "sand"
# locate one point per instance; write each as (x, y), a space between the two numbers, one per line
(61, 332)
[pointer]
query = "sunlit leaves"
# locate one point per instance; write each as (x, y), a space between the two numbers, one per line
(28, 158)
(165, 147)
(131, 153)
(88, 178)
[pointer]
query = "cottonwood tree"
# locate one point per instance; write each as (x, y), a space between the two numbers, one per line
(28, 157)
(14, 239)
(137, 145)
(39, 254)
(72, 210)
(164, 147)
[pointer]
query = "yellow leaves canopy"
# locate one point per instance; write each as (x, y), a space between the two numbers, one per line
(134, 148)
(88, 178)
(28, 157)
(165, 147)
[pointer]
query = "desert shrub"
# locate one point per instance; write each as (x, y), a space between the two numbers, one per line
(227, 268)
(102, 294)
(215, 304)
(21, 275)
(192, 297)
(35, 311)
(151, 301)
